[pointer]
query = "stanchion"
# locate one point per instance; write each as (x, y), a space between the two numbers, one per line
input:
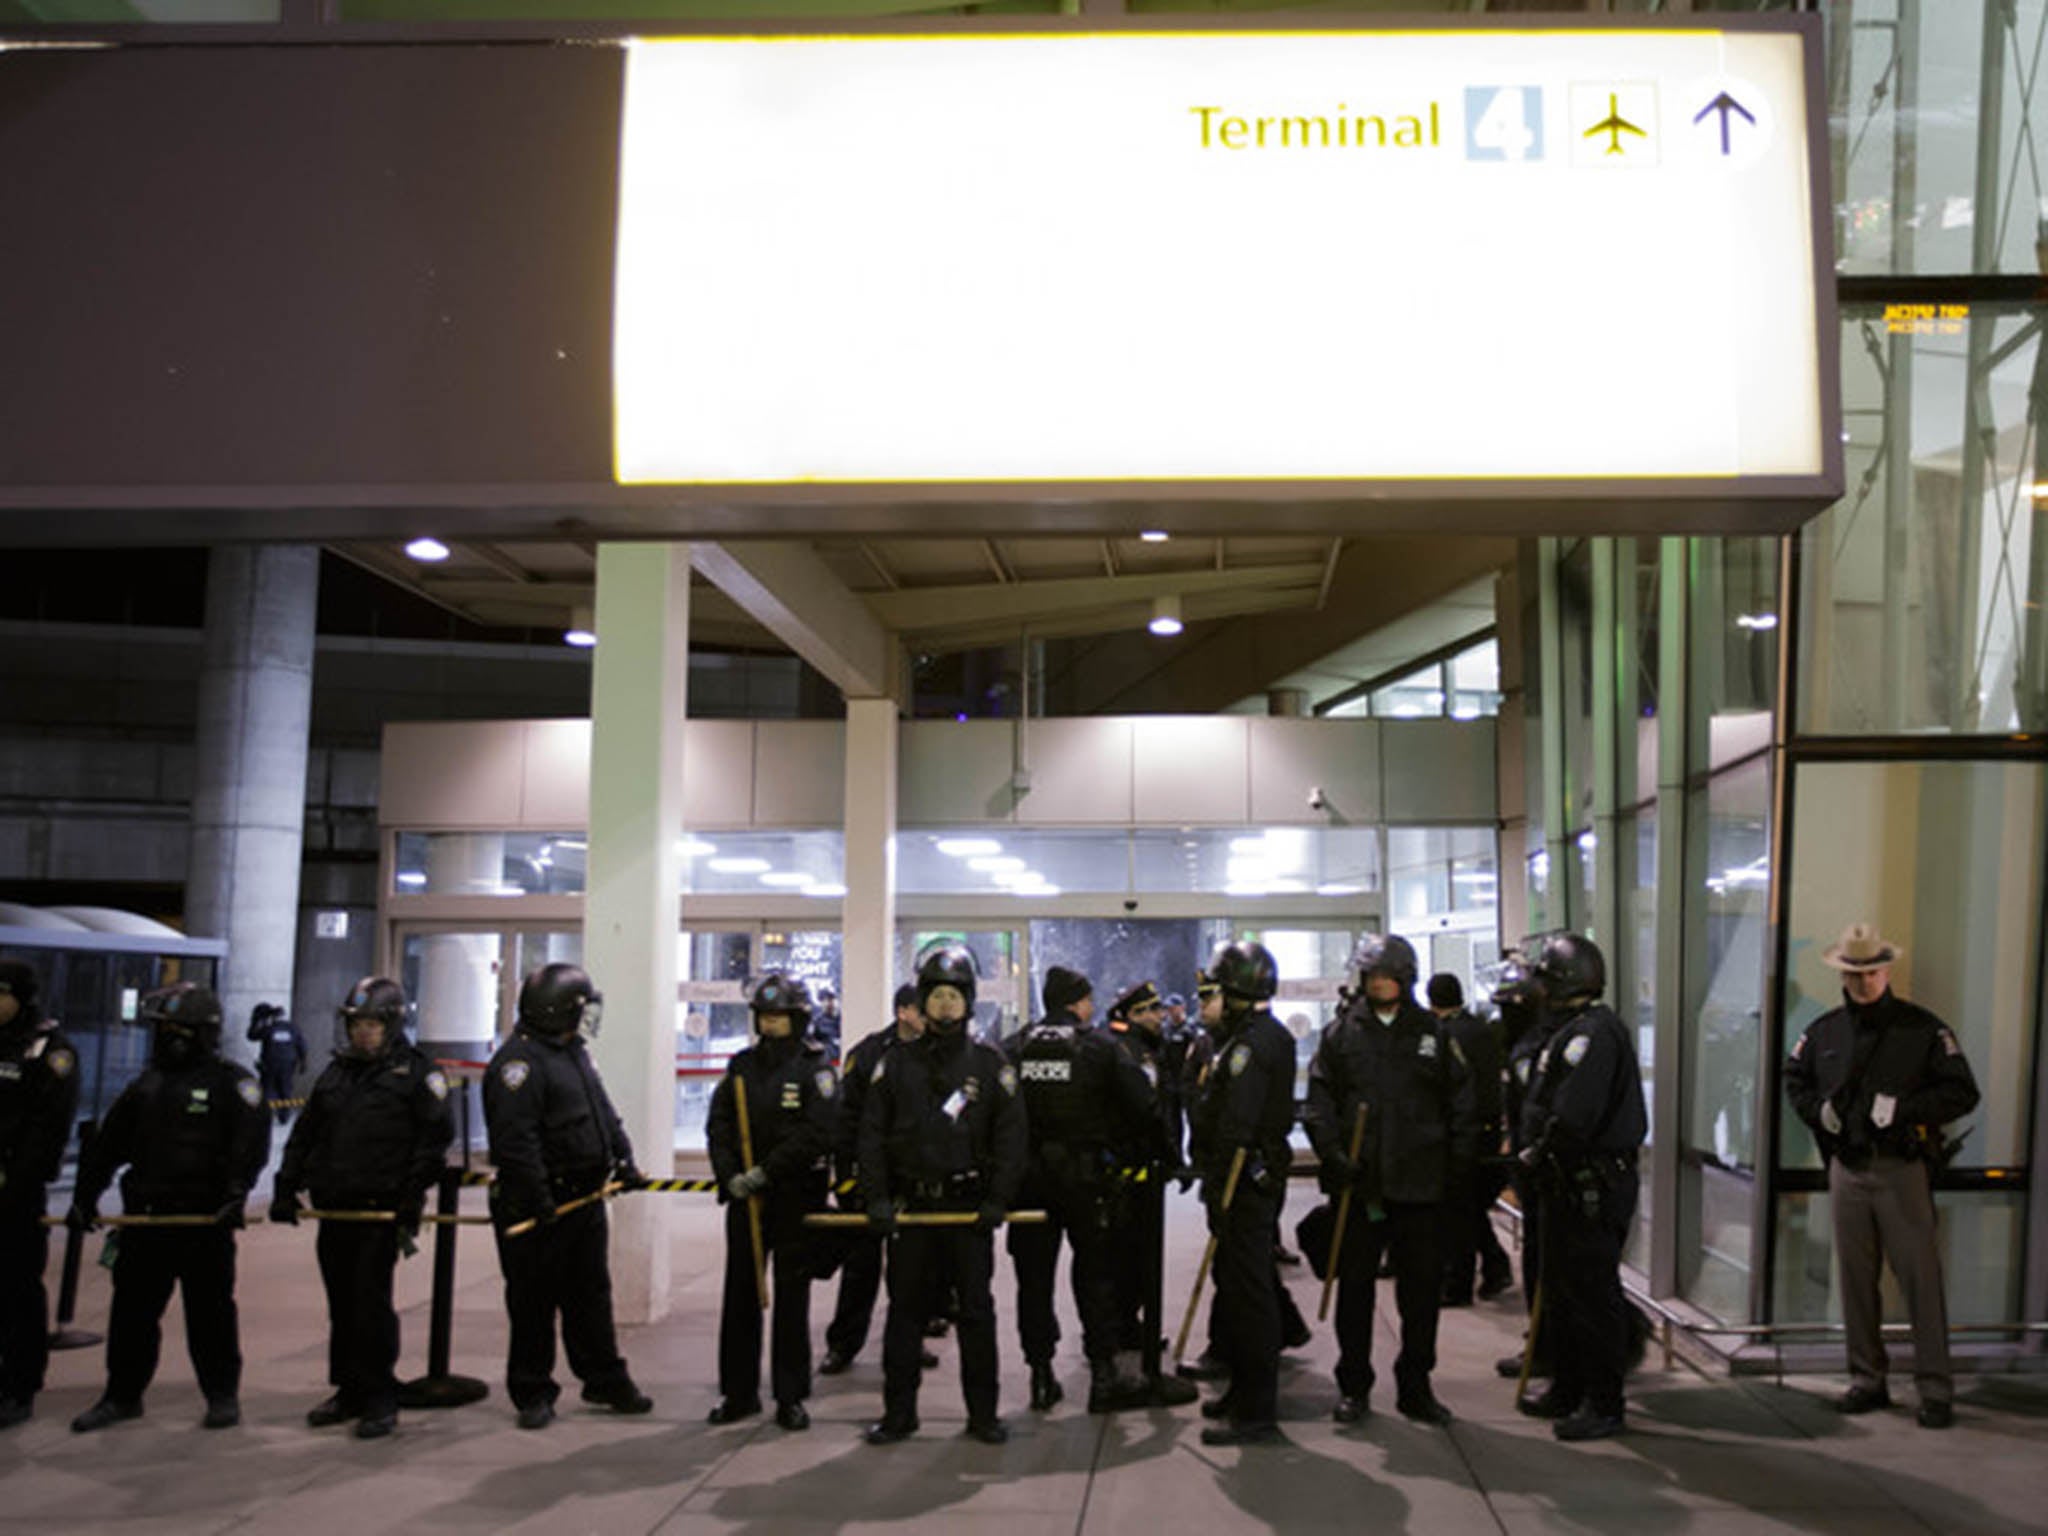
(439, 1389)
(920, 1218)
(63, 1335)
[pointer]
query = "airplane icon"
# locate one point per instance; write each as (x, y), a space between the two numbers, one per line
(1614, 125)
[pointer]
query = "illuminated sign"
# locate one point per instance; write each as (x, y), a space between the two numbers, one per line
(1568, 256)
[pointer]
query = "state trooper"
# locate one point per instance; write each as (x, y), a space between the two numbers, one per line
(1084, 1099)
(1876, 1080)
(860, 1266)
(193, 1134)
(1240, 1124)
(1589, 1089)
(1391, 1066)
(38, 1104)
(942, 1132)
(792, 1111)
(373, 1137)
(555, 1139)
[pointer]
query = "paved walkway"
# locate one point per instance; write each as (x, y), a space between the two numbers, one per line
(1704, 1457)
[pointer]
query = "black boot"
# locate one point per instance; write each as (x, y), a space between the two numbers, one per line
(1045, 1388)
(1108, 1390)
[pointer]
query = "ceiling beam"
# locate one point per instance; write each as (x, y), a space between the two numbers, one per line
(791, 591)
(1026, 602)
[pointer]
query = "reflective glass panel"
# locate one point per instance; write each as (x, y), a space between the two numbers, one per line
(489, 864)
(1983, 1253)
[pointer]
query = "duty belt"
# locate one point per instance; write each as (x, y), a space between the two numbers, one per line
(954, 1189)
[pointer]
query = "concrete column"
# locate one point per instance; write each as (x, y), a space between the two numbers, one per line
(638, 697)
(249, 771)
(867, 955)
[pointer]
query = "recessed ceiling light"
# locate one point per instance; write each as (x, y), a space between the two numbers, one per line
(1154, 536)
(427, 550)
(1165, 616)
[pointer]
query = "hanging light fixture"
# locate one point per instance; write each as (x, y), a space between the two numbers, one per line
(582, 630)
(1165, 616)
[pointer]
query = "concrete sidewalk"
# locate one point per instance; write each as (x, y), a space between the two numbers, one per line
(1706, 1457)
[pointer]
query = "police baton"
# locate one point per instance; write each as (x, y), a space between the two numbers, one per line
(1180, 1344)
(1343, 1216)
(521, 1228)
(1536, 1301)
(64, 1336)
(739, 1089)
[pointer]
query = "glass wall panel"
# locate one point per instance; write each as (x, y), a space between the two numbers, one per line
(713, 968)
(1732, 660)
(489, 864)
(1278, 861)
(1983, 1254)
(1946, 858)
(1019, 861)
(800, 863)
(1575, 642)
(1922, 591)
(1475, 681)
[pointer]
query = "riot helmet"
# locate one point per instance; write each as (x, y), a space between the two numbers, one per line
(1384, 954)
(559, 1000)
(949, 970)
(1570, 970)
(185, 1019)
(1245, 973)
(783, 995)
(371, 1018)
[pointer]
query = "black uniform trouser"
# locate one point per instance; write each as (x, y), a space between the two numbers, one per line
(149, 1262)
(1244, 1319)
(1586, 1315)
(860, 1281)
(1530, 1199)
(1412, 1235)
(24, 1304)
(1469, 1237)
(1138, 1225)
(563, 1267)
(277, 1086)
(921, 1261)
(1073, 1210)
(739, 1318)
(357, 1264)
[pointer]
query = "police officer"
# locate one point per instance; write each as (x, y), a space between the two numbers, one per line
(1240, 1121)
(1084, 1100)
(280, 1052)
(1394, 1063)
(192, 1132)
(792, 1108)
(825, 1024)
(38, 1103)
(942, 1131)
(1468, 1228)
(1876, 1080)
(1526, 1027)
(555, 1139)
(860, 1267)
(373, 1137)
(1589, 1090)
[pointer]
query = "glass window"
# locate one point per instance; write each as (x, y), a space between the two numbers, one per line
(1277, 861)
(1475, 681)
(1923, 591)
(785, 863)
(1417, 695)
(490, 863)
(1945, 858)
(713, 969)
(1638, 587)
(1575, 664)
(1019, 861)
(1983, 1253)
(1733, 658)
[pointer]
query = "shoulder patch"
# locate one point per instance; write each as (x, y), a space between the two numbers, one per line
(1240, 1058)
(61, 1062)
(1522, 1071)
(1799, 1047)
(828, 1083)
(881, 1066)
(1007, 1076)
(437, 1085)
(1575, 1049)
(513, 1073)
(1948, 1041)
(1151, 1073)
(250, 1093)
(1426, 1046)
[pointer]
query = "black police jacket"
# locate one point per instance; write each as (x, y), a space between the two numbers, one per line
(282, 1048)
(858, 1068)
(1486, 1056)
(1590, 1089)
(38, 1105)
(373, 1135)
(1163, 1060)
(553, 1132)
(1412, 1078)
(193, 1138)
(1085, 1100)
(942, 1124)
(792, 1117)
(1892, 1061)
(1246, 1099)
(1526, 1112)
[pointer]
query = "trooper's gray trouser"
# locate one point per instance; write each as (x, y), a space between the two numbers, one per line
(1886, 1211)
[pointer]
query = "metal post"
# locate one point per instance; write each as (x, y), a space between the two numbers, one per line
(438, 1389)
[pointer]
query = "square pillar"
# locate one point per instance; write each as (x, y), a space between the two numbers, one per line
(638, 699)
(868, 927)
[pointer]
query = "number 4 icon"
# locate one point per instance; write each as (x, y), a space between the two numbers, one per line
(1503, 122)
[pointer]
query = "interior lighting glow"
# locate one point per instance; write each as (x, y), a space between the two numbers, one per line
(1756, 621)
(740, 866)
(412, 879)
(968, 847)
(696, 848)
(824, 890)
(582, 639)
(1154, 536)
(1340, 890)
(1165, 616)
(785, 877)
(427, 551)
(990, 864)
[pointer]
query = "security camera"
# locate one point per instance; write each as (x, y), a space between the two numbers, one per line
(1130, 903)
(1317, 800)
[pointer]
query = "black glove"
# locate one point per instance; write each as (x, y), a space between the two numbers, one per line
(990, 1216)
(1337, 1174)
(628, 1177)
(232, 1215)
(412, 1209)
(882, 1216)
(83, 1216)
(1183, 1177)
(284, 1208)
